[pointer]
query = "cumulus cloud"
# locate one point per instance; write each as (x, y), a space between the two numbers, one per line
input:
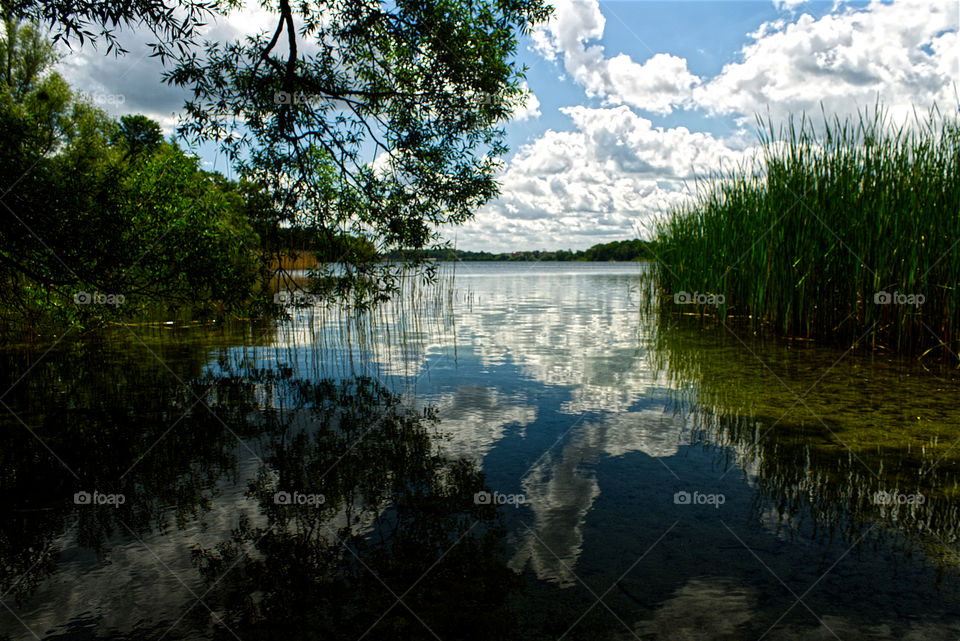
(656, 85)
(614, 170)
(597, 182)
(904, 55)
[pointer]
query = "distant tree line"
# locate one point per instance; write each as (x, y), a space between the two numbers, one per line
(618, 250)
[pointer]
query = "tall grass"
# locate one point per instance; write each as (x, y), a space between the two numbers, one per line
(833, 214)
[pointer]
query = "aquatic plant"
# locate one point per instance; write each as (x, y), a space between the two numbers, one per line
(842, 229)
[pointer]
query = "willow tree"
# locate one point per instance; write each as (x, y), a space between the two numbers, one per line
(174, 24)
(376, 120)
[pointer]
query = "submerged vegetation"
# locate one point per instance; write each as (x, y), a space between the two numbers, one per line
(847, 231)
(828, 460)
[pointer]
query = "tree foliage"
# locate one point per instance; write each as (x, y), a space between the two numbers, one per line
(380, 121)
(174, 24)
(99, 206)
(138, 134)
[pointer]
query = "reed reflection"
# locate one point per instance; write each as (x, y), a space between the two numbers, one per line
(855, 447)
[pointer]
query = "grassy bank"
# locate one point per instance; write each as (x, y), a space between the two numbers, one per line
(845, 229)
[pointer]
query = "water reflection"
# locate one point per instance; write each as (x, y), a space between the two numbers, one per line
(561, 489)
(393, 545)
(540, 383)
(104, 417)
(475, 417)
(388, 519)
(871, 455)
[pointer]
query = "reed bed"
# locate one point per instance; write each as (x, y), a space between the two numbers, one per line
(842, 230)
(330, 339)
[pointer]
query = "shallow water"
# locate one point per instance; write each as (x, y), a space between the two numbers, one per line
(657, 481)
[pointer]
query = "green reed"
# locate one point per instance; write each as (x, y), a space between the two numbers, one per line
(831, 215)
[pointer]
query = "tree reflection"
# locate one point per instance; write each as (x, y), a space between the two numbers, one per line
(109, 416)
(398, 547)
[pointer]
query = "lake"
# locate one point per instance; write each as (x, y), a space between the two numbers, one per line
(513, 452)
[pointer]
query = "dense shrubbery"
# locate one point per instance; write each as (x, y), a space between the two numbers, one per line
(103, 218)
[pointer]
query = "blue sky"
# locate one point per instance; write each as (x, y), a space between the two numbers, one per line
(707, 34)
(631, 100)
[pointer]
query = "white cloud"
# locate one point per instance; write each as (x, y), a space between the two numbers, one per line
(905, 54)
(529, 110)
(249, 19)
(788, 5)
(573, 23)
(656, 85)
(596, 183)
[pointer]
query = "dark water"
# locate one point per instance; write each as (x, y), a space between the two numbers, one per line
(325, 478)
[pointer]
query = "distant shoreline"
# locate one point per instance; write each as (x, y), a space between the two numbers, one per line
(621, 251)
